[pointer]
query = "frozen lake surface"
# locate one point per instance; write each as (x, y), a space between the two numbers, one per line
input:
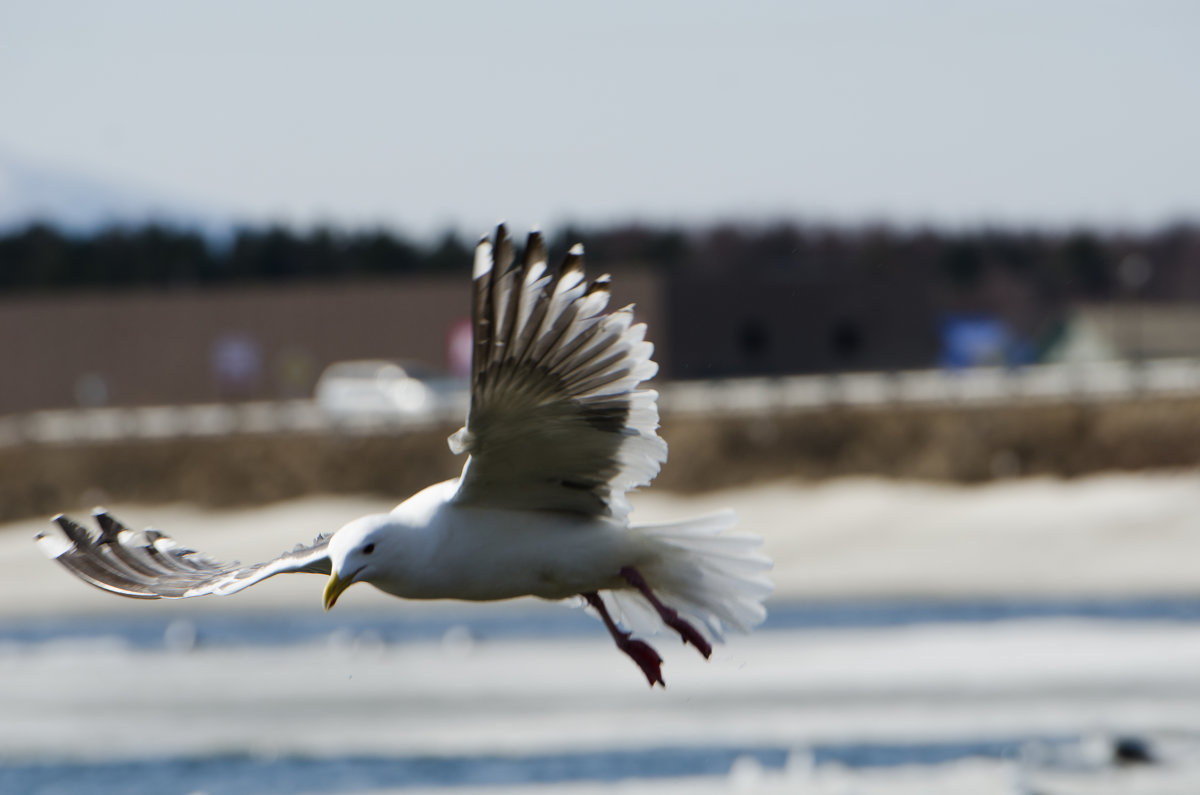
(357, 710)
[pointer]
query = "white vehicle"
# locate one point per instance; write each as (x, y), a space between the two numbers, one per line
(379, 388)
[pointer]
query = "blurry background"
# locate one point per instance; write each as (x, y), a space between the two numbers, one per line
(924, 283)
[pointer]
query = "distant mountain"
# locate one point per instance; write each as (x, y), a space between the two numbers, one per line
(79, 203)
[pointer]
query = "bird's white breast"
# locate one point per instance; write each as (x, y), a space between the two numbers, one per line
(483, 554)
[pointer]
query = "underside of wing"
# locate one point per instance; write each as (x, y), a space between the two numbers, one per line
(149, 565)
(557, 421)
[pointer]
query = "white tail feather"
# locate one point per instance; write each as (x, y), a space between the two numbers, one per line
(715, 579)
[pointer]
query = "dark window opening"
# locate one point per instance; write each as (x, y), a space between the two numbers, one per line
(753, 339)
(846, 340)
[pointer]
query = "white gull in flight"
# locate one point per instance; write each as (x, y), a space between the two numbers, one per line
(558, 430)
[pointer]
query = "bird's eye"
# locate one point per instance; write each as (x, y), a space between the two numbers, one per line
(369, 548)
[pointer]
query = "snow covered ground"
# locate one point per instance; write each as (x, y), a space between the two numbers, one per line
(1054, 687)
(1045, 688)
(1111, 534)
(926, 684)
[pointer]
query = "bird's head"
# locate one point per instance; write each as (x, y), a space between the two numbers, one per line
(355, 552)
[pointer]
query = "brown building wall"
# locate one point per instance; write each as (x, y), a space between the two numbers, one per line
(158, 347)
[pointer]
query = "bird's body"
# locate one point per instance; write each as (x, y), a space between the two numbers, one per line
(431, 548)
(558, 431)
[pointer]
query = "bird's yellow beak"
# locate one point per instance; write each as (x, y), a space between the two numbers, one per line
(334, 588)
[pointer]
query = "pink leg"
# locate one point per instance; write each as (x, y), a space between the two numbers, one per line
(639, 651)
(669, 615)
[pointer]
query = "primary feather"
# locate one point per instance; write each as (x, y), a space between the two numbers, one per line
(557, 421)
(150, 565)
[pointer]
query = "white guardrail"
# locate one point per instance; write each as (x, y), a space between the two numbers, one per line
(731, 397)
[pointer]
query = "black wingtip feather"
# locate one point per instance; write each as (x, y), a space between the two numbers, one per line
(77, 533)
(535, 249)
(602, 284)
(502, 251)
(573, 261)
(110, 527)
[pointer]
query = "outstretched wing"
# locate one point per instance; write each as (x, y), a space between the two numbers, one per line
(557, 421)
(149, 565)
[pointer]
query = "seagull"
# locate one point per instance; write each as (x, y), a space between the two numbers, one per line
(558, 430)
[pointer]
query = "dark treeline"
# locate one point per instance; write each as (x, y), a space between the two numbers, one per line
(1164, 264)
(40, 257)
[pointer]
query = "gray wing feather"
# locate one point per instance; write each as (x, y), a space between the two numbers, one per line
(557, 420)
(150, 565)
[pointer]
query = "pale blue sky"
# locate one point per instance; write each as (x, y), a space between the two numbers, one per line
(423, 115)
